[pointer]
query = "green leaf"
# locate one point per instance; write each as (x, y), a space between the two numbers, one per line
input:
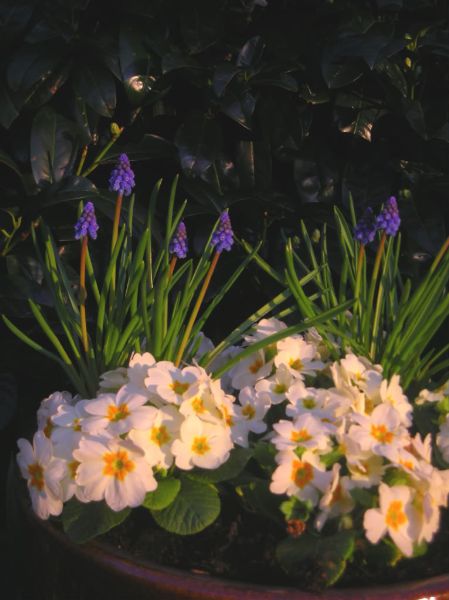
(292, 552)
(198, 141)
(68, 190)
(334, 551)
(265, 453)
(364, 497)
(96, 85)
(230, 469)
(293, 508)
(395, 476)
(196, 506)
(52, 146)
(163, 495)
(82, 522)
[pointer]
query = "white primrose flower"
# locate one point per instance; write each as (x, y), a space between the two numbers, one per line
(249, 370)
(48, 408)
(265, 328)
(313, 337)
(68, 421)
(305, 477)
(156, 442)
(43, 473)
(327, 405)
(137, 370)
(69, 486)
(354, 374)
(169, 383)
(201, 444)
(205, 345)
(111, 381)
(114, 470)
(336, 500)
(299, 357)
(306, 431)
(391, 393)
(381, 432)
(118, 413)
(203, 399)
(433, 396)
(249, 416)
(396, 517)
(276, 387)
(443, 439)
(219, 361)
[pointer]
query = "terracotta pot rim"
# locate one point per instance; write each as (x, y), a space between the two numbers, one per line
(165, 578)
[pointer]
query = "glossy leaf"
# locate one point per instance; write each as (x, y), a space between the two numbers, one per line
(96, 85)
(235, 464)
(196, 506)
(85, 521)
(251, 54)
(52, 146)
(69, 189)
(163, 495)
(198, 141)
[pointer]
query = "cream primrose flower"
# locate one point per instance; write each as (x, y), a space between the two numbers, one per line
(313, 337)
(118, 413)
(336, 500)
(305, 477)
(169, 383)
(305, 431)
(114, 470)
(391, 393)
(265, 328)
(431, 494)
(327, 405)
(203, 399)
(48, 408)
(298, 356)
(381, 432)
(366, 469)
(138, 367)
(433, 396)
(396, 517)
(275, 388)
(69, 486)
(111, 381)
(156, 442)
(201, 444)
(68, 421)
(249, 370)
(205, 345)
(442, 439)
(43, 473)
(357, 372)
(249, 416)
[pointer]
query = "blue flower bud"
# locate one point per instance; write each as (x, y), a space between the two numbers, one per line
(389, 219)
(122, 177)
(223, 237)
(87, 223)
(365, 229)
(178, 244)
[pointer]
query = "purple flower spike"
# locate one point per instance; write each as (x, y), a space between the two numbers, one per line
(178, 244)
(122, 177)
(87, 223)
(365, 230)
(389, 219)
(222, 238)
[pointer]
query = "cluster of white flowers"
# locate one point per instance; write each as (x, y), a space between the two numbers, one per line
(344, 428)
(146, 418)
(353, 430)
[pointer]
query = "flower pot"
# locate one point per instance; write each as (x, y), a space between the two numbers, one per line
(62, 570)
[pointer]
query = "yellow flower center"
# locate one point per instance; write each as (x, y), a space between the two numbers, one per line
(302, 473)
(395, 515)
(309, 403)
(227, 417)
(117, 413)
(160, 435)
(300, 436)
(200, 445)
(255, 366)
(72, 466)
(407, 464)
(248, 411)
(280, 388)
(296, 363)
(358, 376)
(381, 434)
(36, 473)
(48, 427)
(76, 426)
(198, 405)
(179, 388)
(117, 464)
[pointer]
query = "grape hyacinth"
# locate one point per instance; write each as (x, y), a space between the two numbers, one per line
(222, 238)
(87, 223)
(178, 244)
(365, 229)
(122, 177)
(389, 219)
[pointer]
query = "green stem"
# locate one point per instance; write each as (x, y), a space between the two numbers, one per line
(101, 154)
(83, 295)
(82, 160)
(115, 228)
(196, 308)
(372, 288)
(358, 284)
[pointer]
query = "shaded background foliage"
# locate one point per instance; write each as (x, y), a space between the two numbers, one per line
(277, 109)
